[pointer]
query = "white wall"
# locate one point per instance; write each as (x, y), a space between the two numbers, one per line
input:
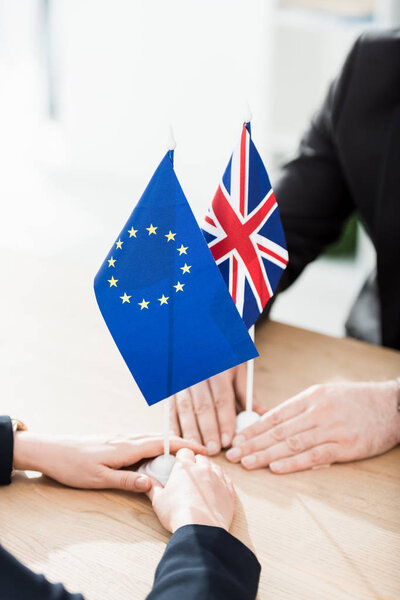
(132, 67)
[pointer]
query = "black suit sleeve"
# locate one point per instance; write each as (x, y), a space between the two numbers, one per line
(17, 582)
(206, 562)
(312, 191)
(6, 450)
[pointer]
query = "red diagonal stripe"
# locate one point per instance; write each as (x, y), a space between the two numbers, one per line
(209, 220)
(268, 251)
(237, 236)
(257, 218)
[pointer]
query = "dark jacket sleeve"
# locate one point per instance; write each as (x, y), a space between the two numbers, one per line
(17, 582)
(206, 562)
(312, 190)
(6, 450)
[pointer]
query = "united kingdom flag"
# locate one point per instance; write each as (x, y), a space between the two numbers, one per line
(244, 232)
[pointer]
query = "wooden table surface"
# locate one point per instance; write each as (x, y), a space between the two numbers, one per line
(327, 533)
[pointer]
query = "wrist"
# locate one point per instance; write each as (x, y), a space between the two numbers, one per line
(27, 451)
(189, 517)
(397, 407)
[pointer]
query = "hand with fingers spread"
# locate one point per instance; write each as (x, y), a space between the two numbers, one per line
(327, 423)
(92, 461)
(198, 492)
(206, 412)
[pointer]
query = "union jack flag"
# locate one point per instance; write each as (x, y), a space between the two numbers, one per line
(244, 232)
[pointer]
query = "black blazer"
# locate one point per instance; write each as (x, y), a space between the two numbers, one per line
(349, 160)
(199, 562)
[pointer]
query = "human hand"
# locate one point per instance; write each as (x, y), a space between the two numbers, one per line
(206, 412)
(92, 461)
(198, 492)
(335, 422)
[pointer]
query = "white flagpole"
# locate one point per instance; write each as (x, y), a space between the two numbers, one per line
(250, 377)
(166, 426)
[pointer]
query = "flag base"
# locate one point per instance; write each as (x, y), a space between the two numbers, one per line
(245, 419)
(159, 468)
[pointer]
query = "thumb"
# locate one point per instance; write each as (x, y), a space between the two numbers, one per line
(130, 481)
(155, 489)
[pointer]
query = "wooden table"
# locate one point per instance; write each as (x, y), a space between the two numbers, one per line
(328, 533)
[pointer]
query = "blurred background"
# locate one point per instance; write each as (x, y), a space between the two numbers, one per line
(88, 90)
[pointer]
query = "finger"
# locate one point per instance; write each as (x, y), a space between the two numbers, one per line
(176, 443)
(173, 417)
(289, 409)
(130, 481)
(206, 417)
(257, 406)
(223, 394)
(156, 488)
(292, 446)
(325, 454)
(187, 419)
(184, 455)
(277, 434)
(203, 460)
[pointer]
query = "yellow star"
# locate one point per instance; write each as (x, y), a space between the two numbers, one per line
(182, 250)
(111, 262)
(112, 281)
(186, 268)
(132, 232)
(151, 229)
(143, 304)
(170, 236)
(125, 298)
(119, 244)
(179, 287)
(163, 300)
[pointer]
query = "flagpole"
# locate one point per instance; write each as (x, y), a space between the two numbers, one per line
(250, 377)
(161, 466)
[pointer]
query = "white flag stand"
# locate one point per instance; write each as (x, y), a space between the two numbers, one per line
(160, 467)
(249, 416)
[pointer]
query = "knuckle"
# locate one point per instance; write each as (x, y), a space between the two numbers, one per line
(315, 455)
(276, 419)
(125, 481)
(184, 403)
(201, 405)
(327, 456)
(278, 433)
(294, 443)
(219, 400)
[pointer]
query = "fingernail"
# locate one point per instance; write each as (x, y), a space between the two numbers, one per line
(142, 483)
(248, 461)
(234, 454)
(276, 466)
(225, 439)
(194, 441)
(237, 440)
(212, 447)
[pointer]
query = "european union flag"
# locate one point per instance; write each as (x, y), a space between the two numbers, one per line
(163, 298)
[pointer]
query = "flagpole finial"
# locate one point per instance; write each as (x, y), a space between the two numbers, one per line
(171, 143)
(247, 113)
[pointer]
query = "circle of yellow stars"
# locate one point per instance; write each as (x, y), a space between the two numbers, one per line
(152, 230)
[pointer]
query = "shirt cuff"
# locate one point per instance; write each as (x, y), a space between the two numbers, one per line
(6, 450)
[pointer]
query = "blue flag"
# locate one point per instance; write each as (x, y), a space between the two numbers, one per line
(163, 298)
